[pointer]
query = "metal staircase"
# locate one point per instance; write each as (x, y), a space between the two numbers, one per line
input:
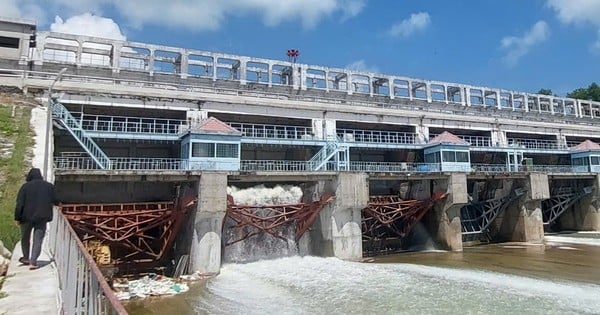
(74, 127)
(332, 150)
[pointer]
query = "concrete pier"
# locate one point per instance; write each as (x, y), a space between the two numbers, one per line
(339, 231)
(205, 251)
(443, 221)
(522, 221)
(585, 213)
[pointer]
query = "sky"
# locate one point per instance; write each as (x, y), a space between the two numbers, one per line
(522, 45)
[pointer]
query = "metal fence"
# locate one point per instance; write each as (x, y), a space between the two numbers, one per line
(71, 163)
(83, 289)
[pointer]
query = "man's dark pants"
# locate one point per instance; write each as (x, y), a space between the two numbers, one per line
(39, 230)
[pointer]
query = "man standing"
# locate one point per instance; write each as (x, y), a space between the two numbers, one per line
(34, 209)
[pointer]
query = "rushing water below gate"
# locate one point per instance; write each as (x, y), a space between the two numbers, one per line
(558, 278)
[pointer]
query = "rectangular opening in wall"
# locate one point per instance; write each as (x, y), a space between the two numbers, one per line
(281, 75)
(9, 42)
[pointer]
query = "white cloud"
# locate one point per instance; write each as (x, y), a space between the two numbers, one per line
(351, 8)
(27, 9)
(415, 23)
(197, 15)
(361, 66)
(90, 25)
(518, 47)
(579, 12)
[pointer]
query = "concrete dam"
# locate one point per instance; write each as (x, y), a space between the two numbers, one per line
(147, 140)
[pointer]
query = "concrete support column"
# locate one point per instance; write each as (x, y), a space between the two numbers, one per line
(205, 251)
(324, 129)
(443, 221)
(341, 221)
(241, 69)
(183, 64)
(422, 134)
(499, 138)
(522, 221)
(115, 59)
(585, 213)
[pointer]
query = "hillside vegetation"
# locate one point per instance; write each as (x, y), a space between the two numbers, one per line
(16, 139)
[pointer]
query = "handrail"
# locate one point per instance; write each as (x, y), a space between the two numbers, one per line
(70, 163)
(508, 114)
(73, 126)
(83, 287)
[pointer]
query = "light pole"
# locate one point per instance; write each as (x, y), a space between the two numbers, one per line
(49, 122)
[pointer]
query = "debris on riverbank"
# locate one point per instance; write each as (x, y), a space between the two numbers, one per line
(153, 285)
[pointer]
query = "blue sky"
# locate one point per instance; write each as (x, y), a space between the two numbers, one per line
(522, 45)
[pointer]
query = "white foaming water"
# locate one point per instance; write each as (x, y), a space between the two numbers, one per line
(311, 285)
(263, 196)
(263, 245)
(572, 240)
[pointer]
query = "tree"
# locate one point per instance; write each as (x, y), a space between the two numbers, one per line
(592, 92)
(545, 92)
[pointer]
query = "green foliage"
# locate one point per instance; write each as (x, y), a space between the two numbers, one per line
(592, 92)
(13, 169)
(545, 92)
(7, 127)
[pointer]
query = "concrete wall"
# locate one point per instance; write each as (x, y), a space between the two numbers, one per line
(337, 232)
(522, 221)
(443, 221)
(205, 251)
(114, 192)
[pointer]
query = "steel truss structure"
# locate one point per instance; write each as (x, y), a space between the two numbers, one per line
(135, 232)
(476, 217)
(272, 219)
(562, 199)
(391, 217)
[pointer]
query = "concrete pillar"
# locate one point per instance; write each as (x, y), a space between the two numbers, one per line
(443, 221)
(585, 213)
(522, 221)
(115, 59)
(183, 64)
(422, 134)
(205, 251)
(338, 230)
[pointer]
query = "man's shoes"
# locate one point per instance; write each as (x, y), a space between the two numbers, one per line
(24, 261)
(33, 267)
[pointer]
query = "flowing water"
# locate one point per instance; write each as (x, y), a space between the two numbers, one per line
(560, 277)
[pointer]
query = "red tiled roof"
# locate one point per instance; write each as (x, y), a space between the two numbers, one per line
(447, 137)
(214, 125)
(586, 145)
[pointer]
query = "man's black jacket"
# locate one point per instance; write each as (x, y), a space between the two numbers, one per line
(35, 199)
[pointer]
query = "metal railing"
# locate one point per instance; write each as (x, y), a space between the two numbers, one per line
(73, 126)
(540, 144)
(394, 167)
(86, 163)
(274, 166)
(376, 136)
(462, 111)
(123, 124)
(476, 141)
(83, 289)
(262, 131)
(71, 163)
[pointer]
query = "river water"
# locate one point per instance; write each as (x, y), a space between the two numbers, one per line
(560, 277)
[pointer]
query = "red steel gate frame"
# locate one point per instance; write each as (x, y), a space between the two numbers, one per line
(143, 232)
(270, 219)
